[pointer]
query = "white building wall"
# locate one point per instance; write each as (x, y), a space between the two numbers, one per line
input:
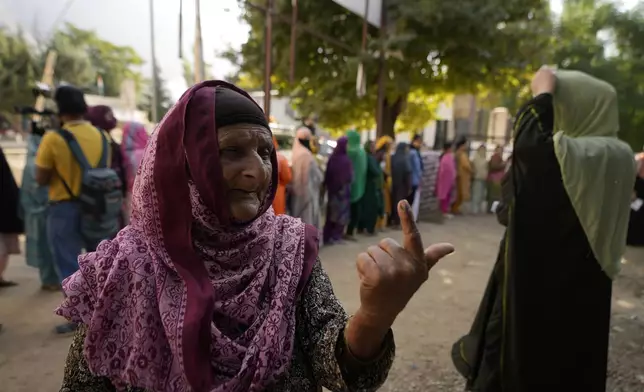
(281, 109)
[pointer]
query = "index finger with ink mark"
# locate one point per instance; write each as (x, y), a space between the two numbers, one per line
(412, 241)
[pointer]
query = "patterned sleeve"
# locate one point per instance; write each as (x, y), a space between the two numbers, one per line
(77, 376)
(321, 321)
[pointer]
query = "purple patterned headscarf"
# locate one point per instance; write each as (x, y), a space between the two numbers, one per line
(182, 299)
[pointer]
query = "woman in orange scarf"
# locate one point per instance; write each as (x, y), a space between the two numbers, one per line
(383, 155)
(284, 178)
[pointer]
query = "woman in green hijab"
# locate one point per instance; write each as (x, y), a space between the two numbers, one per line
(543, 323)
(372, 202)
(358, 158)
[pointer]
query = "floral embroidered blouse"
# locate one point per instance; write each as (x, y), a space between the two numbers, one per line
(319, 354)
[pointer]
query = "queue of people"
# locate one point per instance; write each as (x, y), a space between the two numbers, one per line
(469, 186)
(362, 183)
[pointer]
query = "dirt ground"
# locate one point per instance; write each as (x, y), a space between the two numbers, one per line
(32, 358)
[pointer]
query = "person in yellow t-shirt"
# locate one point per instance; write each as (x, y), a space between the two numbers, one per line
(57, 167)
(55, 155)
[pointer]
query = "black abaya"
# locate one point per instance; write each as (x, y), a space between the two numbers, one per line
(543, 323)
(401, 180)
(10, 222)
(636, 221)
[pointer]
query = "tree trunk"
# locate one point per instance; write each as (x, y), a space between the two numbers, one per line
(391, 111)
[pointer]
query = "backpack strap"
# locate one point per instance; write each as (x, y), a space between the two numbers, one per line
(75, 148)
(71, 140)
(102, 164)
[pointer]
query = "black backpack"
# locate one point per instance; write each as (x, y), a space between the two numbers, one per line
(100, 197)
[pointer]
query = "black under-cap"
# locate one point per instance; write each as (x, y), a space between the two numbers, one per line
(70, 100)
(232, 108)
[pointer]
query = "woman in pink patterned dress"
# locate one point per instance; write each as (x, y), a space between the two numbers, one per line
(207, 290)
(135, 138)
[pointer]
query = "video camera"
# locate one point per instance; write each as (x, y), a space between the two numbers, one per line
(39, 120)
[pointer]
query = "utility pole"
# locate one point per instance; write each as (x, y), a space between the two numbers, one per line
(293, 40)
(47, 77)
(268, 60)
(200, 75)
(361, 86)
(181, 29)
(382, 72)
(155, 82)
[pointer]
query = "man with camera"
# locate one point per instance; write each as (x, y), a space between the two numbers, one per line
(65, 159)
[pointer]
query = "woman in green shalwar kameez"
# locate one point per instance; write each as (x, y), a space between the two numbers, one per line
(543, 323)
(359, 162)
(372, 201)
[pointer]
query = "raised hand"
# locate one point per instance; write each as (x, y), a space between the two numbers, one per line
(390, 274)
(543, 81)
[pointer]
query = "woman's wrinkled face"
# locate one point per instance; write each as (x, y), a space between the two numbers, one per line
(245, 154)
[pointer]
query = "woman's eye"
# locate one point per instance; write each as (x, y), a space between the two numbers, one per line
(229, 150)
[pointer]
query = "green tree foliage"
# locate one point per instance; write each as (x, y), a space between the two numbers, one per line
(597, 38)
(433, 47)
(189, 73)
(83, 56)
(17, 71)
(164, 102)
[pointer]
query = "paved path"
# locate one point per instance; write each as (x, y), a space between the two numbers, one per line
(32, 358)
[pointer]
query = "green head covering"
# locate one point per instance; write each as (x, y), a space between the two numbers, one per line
(585, 106)
(359, 160)
(598, 170)
(367, 146)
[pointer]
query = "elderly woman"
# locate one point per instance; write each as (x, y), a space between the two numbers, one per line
(207, 290)
(544, 320)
